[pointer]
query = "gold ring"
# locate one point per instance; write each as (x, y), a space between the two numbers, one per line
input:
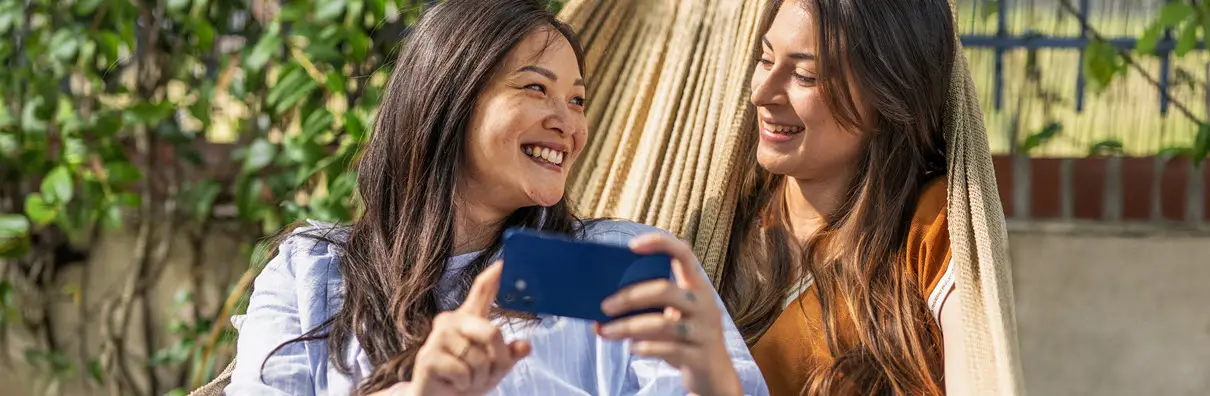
(465, 349)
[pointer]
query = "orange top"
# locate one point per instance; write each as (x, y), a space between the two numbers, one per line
(795, 346)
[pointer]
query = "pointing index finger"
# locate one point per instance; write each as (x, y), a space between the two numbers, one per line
(483, 291)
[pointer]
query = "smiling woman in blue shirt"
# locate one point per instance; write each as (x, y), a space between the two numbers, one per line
(482, 119)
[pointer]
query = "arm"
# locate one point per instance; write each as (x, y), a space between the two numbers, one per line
(272, 319)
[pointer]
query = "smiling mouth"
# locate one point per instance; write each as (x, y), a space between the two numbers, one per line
(782, 129)
(544, 155)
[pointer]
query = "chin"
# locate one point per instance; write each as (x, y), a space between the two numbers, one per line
(546, 197)
(774, 163)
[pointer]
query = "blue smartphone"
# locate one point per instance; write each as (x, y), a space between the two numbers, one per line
(556, 275)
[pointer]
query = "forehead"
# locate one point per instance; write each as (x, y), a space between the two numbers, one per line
(792, 29)
(548, 48)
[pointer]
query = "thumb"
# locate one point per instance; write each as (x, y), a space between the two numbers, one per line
(483, 291)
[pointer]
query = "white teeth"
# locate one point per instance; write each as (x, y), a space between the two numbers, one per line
(551, 156)
(783, 129)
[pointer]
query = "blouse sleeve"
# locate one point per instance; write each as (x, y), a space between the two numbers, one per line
(928, 247)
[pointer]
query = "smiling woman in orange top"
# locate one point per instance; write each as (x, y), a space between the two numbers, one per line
(839, 266)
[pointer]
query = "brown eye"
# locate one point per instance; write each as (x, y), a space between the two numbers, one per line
(536, 87)
(578, 101)
(804, 80)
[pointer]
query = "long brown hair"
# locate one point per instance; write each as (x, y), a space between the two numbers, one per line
(898, 55)
(394, 255)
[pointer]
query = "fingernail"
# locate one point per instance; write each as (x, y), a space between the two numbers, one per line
(609, 331)
(609, 305)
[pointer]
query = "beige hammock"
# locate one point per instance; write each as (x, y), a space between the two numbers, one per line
(671, 125)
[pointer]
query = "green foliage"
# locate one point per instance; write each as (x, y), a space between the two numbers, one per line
(264, 116)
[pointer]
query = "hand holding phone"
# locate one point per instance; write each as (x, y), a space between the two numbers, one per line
(556, 275)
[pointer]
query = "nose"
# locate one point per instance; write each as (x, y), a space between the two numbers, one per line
(559, 120)
(767, 89)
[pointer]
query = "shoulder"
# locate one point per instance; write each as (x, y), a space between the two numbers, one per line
(618, 232)
(309, 252)
(928, 243)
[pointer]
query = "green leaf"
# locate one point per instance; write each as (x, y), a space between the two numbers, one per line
(109, 43)
(129, 199)
(39, 211)
(355, 127)
(177, 5)
(33, 120)
(86, 7)
(1105, 147)
(1174, 12)
(379, 9)
(259, 155)
(359, 44)
(343, 185)
(96, 371)
(302, 150)
(111, 217)
(177, 392)
(1188, 38)
(295, 96)
(990, 9)
(122, 172)
(260, 54)
(1175, 152)
(58, 185)
(14, 242)
(11, 16)
(247, 198)
(329, 10)
(319, 121)
(1101, 63)
(202, 199)
(63, 45)
(148, 113)
(204, 33)
(336, 83)
(1201, 144)
(291, 76)
(13, 226)
(6, 294)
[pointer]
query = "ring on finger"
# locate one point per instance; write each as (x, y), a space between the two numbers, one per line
(465, 350)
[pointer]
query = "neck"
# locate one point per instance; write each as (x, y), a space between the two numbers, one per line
(475, 224)
(809, 202)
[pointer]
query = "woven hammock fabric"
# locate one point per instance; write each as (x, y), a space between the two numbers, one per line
(668, 94)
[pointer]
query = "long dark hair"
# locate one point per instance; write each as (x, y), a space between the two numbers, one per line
(396, 252)
(898, 55)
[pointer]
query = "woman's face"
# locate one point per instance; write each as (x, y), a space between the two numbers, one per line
(528, 126)
(799, 136)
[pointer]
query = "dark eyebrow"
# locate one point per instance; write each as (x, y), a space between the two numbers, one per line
(793, 55)
(546, 73)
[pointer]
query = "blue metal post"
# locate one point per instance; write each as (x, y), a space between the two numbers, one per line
(1080, 67)
(1001, 33)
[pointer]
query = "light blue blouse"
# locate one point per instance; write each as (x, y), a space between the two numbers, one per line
(302, 288)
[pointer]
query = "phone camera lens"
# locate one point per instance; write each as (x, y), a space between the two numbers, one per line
(527, 300)
(508, 298)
